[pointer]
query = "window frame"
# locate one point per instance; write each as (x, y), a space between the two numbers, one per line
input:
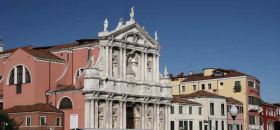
(59, 123)
(14, 75)
(26, 121)
(45, 121)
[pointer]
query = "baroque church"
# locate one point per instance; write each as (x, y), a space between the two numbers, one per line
(124, 88)
(110, 82)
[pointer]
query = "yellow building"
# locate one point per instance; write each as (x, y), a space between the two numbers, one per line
(229, 83)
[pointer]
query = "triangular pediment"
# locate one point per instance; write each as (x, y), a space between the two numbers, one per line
(133, 33)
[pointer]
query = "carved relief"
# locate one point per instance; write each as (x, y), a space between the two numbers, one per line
(161, 118)
(115, 61)
(116, 118)
(137, 115)
(150, 117)
(101, 112)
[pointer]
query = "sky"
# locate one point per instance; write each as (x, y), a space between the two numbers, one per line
(236, 34)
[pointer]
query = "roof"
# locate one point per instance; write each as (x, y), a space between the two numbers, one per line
(42, 54)
(229, 73)
(201, 94)
(40, 107)
(231, 100)
(178, 99)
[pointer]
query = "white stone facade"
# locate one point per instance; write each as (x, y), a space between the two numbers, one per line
(123, 88)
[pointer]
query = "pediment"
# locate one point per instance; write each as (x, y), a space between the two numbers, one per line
(135, 34)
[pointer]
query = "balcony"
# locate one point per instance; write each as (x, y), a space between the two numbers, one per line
(253, 107)
(255, 127)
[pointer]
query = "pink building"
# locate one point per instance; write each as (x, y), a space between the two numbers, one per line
(50, 75)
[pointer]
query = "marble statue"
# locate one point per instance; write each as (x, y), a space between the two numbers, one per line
(156, 36)
(166, 74)
(106, 25)
(120, 24)
(132, 13)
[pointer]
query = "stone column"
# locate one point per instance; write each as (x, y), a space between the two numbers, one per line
(110, 114)
(124, 115)
(145, 66)
(87, 116)
(106, 60)
(143, 115)
(168, 117)
(124, 63)
(96, 114)
(120, 71)
(110, 60)
(155, 116)
(157, 68)
(166, 113)
(146, 117)
(154, 67)
(121, 114)
(142, 66)
(92, 113)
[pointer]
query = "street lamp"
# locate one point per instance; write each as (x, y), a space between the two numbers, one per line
(233, 112)
(4, 125)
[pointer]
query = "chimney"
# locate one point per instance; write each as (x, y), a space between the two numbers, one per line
(208, 71)
(1, 44)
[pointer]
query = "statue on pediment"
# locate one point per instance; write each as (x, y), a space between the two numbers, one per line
(106, 24)
(132, 13)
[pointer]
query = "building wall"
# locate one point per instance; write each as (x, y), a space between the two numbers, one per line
(185, 116)
(20, 118)
(227, 90)
(77, 99)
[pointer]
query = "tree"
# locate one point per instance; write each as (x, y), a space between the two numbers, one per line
(7, 122)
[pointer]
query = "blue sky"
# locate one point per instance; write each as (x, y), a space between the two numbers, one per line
(237, 34)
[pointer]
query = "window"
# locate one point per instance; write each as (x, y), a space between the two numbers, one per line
(172, 109)
(190, 110)
(183, 125)
(78, 73)
(209, 87)
(200, 125)
(191, 125)
(211, 108)
(194, 87)
(183, 88)
(65, 103)
(58, 121)
(18, 88)
(200, 110)
(237, 86)
(251, 84)
(253, 100)
(203, 86)
(19, 75)
(42, 120)
(28, 121)
(252, 120)
(222, 109)
(210, 124)
(12, 75)
(221, 83)
(216, 126)
(172, 127)
(180, 109)
(223, 125)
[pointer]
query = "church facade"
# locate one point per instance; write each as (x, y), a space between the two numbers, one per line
(124, 89)
(110, 82)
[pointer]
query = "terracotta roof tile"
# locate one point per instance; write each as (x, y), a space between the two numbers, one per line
(41, 107)
(201, 94)
(231, 100)
(200, 76)
(178, 99)
(43, 54)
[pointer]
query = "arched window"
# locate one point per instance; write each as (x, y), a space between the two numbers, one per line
(19, 74)
(65, 103)
(78, 73)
